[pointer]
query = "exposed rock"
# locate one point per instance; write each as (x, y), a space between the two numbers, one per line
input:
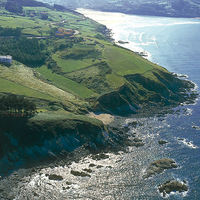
(77, 173)
(135, 142)
(68, 183)
(99, 166)
(196, 127)
(139, 144)
(133, 124)
(55, 177)
(159, 166)
(100, 156)
(162, 142)
(126, 128)
(35, 194)
(92, 165)
(172, 186)
(87, 170)
(66, 188)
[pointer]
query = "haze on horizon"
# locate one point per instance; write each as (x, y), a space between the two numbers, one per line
(169, 8)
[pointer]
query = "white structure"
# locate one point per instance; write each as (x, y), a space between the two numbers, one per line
(6, 59)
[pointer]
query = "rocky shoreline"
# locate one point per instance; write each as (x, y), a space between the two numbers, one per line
(118, 141)
(53, 135)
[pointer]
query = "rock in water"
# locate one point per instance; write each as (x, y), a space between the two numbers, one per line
(159, 166)
(172, 186)
(55, 177)
(77, 173)
(162, 142)
(100, 156)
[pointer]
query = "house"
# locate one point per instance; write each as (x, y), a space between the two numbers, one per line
(61, 33)
(6, 59)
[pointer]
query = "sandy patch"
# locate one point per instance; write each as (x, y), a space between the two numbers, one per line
(105, 118)
(105, 18)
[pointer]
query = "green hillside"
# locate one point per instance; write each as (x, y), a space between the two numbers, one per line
(66, 58)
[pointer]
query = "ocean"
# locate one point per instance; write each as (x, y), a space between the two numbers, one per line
(172, 43)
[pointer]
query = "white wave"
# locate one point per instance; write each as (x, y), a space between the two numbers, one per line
(181, 23)
(186, 143)
(181, 75)
(141, 37)
(196, 127)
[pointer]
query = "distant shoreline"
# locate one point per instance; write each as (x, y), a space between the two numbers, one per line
(110, 19)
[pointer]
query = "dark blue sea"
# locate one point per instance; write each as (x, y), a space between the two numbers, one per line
(174, 44)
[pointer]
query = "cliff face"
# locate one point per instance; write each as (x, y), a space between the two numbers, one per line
(27, 141)
(163, 89)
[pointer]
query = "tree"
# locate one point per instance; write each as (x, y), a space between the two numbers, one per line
(13, 103)
(13, 6)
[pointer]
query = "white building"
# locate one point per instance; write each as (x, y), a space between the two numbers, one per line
(6, 59)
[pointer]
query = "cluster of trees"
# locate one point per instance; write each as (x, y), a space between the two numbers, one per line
(12, 103)
(10, 31)
(13, 6)
(16, 6)
(27, 51)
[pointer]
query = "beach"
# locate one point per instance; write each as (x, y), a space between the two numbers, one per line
(116, 23)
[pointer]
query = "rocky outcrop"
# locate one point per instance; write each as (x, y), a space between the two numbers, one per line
(163, 89)
(47, 137)
(77, 173)
(172, 186)
(159, 166)
(161, 142)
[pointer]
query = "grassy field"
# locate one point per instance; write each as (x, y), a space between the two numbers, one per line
(126, 62)
(73, 65)
(12, 87)
(65, 83)
(118, 81)
(16, 21)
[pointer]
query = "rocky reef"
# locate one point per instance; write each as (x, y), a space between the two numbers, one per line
(159, 166)
(172, 186)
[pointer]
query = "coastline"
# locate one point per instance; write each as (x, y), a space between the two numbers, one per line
(111, 20)
(43, 174)
(115, 21)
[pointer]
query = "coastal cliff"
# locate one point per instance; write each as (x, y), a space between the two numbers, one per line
(48, 137)
(140, 92)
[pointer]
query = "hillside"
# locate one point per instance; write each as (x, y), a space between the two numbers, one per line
(167, 8)
(80, 67)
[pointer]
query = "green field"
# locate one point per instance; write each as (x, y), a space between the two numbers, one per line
(65, 83)
(73, 65)
(126, 62)
(118, 81)
(11, 87)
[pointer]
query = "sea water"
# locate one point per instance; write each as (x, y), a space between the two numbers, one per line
(174, 44)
